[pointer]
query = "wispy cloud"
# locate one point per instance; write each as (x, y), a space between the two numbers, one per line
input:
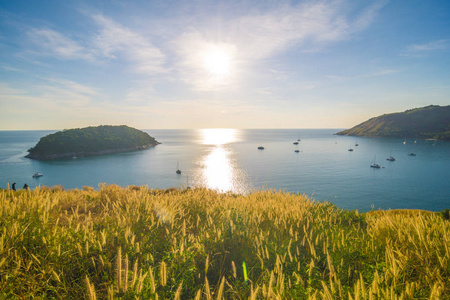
(51, 91)
(69, 92)
(418, 50)
(53, 43)
(258, 36)
(375, 73)
(306, 25)
(114, 40)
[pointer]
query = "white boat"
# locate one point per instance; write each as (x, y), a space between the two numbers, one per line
(37, 174)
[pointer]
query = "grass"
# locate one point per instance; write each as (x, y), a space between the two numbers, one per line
(138, 243)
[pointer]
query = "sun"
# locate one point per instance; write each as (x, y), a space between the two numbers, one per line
(217, 61)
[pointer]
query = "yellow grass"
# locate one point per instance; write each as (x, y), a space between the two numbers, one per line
(137, 243)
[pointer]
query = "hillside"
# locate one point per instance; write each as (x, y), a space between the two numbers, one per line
(430, 122)
(137, 243)
(90, 141)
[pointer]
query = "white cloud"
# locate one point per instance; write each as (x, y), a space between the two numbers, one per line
(375, 73)
(312, 23)
(256, 37)
(66, 92)
(419, 49)
(114, 40)
(52, 92)
(52, 43)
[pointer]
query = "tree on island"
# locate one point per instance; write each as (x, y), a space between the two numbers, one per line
(87, 141)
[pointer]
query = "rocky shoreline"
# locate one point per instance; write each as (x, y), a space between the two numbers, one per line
(83, 154)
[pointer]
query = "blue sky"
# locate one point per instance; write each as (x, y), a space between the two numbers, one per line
(219, 64)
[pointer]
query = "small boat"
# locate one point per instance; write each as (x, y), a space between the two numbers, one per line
(295, 143)
(178, 171)
(297, 151)
(356, 145)
(37, 174)
(375, 165)
(298, 140)
(350, 149)
(260, 148)
(411, 154)
(390, 158)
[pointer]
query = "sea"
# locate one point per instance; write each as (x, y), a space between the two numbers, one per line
(228, 160)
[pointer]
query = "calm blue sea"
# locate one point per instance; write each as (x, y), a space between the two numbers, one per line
(228, 160)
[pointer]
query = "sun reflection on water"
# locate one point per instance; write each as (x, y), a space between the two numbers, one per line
(219, 169)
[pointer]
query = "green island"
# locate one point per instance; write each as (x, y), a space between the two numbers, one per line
(140, 243)
(430, 122)
(90, 141)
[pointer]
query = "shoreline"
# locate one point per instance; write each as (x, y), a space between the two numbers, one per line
(66, 155)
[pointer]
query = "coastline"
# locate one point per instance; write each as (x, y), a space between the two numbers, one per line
(57, 156)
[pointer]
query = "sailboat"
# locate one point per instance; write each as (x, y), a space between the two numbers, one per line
(390, 158)
(375, 165)
(187, 183)
(178, 171)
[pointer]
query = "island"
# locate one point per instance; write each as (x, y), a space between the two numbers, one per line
(90, 141)
(430, 122)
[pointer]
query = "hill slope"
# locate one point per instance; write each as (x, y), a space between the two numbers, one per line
(90, 141)
(430, 122)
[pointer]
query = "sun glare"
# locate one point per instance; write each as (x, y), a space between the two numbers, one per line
(217, 61)
(218, 172)
(219, 136)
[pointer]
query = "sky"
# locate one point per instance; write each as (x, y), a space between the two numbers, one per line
(219, 64)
